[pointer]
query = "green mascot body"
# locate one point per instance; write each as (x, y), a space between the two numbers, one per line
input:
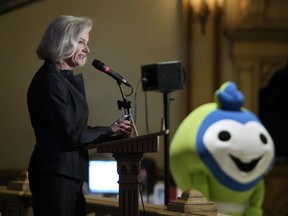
(223, 150)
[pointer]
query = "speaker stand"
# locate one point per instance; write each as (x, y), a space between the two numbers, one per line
(167, 183)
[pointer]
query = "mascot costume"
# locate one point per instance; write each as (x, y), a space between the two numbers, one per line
(223, 150)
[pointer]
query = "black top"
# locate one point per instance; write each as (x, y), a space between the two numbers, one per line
(59, 112)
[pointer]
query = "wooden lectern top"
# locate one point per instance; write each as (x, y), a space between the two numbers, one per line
(137, 144)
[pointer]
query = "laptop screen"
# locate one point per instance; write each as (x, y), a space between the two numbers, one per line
(103, 177)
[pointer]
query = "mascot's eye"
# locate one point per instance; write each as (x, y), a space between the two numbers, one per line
(263, 138)
(224, 136)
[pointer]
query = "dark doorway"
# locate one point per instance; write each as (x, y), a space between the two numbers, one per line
(273, 110)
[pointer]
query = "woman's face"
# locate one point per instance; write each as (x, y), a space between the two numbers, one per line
(80, 56)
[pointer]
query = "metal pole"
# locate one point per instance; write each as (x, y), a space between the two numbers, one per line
(166, 99)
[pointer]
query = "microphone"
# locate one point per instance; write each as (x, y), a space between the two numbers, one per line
(104, 68)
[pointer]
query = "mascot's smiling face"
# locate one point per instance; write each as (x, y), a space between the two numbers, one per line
(233, 143)
(243, 151)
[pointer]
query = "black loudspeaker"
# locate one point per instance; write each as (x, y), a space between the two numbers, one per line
(163, 76)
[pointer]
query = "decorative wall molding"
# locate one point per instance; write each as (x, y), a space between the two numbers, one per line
(258, 35)
(259, 47)
(266, 14)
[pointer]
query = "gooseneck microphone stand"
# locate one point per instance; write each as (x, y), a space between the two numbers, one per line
(126, 105)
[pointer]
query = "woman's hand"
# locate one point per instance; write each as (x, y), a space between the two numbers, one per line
(122, 127)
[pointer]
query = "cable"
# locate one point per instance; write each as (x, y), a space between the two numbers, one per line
(146, 113)
(135, 100)
(146, 105)
(130, 92)
(141, 196)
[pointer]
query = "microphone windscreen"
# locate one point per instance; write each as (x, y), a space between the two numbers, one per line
(99, 65)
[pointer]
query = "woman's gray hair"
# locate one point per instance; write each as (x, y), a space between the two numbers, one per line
(61, 38)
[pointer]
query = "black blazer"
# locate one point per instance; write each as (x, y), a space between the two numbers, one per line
(59, 112)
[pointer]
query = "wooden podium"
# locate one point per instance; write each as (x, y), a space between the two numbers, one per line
(128, 153)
